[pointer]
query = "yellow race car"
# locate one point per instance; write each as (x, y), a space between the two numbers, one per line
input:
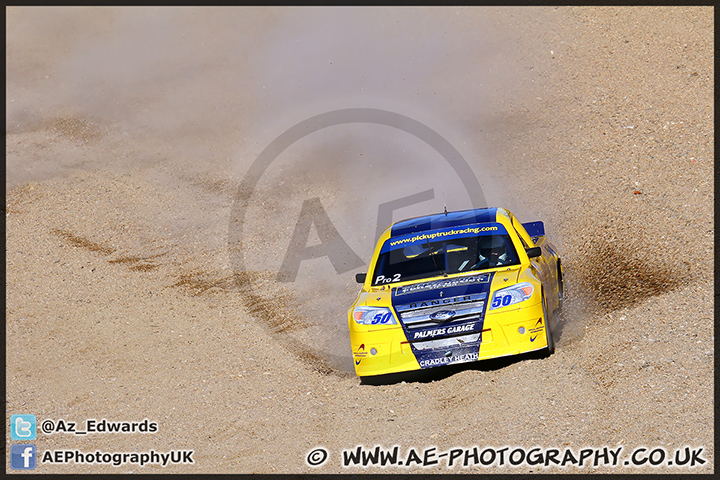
(455, 287)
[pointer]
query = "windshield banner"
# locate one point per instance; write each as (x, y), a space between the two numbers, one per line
(443, 234)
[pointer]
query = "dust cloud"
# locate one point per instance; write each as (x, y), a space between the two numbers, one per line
(191, 96)
(323, 60)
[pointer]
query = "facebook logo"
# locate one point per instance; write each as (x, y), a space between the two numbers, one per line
(23, 457)
(23, 427)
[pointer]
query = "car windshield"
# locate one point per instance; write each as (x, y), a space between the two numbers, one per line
(449, 256)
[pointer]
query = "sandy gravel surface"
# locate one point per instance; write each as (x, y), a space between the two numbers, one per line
(129, 131)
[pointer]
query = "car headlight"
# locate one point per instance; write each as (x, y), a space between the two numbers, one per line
(510, 295)
(373, 316)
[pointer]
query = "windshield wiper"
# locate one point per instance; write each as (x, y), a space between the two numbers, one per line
(432, 255)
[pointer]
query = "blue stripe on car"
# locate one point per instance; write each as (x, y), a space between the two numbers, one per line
(442, 220)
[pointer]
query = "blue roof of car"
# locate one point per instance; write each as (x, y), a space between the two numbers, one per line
(444, 220)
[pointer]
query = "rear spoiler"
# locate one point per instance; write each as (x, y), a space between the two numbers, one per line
(534, 229)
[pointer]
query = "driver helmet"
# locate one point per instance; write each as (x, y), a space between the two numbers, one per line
(491, 246)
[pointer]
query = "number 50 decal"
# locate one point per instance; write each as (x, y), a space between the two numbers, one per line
(501, 301)
(381, 318)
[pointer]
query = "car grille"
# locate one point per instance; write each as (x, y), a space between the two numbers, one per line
(421, 315)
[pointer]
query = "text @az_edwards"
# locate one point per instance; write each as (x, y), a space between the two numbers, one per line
(93, 425)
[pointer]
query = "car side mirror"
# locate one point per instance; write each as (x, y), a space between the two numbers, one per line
(534, 252)
(360, 277)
